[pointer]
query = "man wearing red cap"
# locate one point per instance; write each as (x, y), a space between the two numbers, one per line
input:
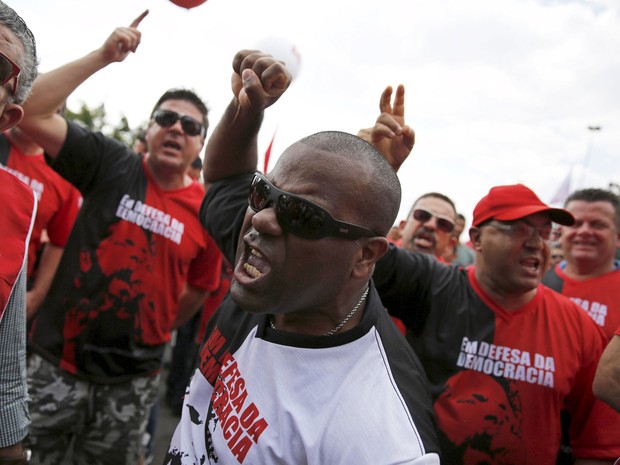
(503, 353)
(498, 320)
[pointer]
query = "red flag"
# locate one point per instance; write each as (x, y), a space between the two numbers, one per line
(268, 152)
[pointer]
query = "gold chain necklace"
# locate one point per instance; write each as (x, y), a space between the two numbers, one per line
(342, 323)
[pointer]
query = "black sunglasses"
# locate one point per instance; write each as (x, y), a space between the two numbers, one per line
(443, 223)
(8, 71)
(300, 216)
(191, 127)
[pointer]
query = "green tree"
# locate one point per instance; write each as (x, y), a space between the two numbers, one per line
(95, 119)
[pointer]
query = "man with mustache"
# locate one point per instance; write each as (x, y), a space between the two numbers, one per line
(136, 264)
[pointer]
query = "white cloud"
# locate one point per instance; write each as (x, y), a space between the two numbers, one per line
(498, 92)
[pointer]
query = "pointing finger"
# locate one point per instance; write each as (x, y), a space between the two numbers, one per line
(136, 22)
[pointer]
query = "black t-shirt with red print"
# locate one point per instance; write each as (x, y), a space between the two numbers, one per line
(499, 379)
(133, 247)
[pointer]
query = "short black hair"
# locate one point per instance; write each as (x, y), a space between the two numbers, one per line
(593, 194)
(188, 95)
(435, 195)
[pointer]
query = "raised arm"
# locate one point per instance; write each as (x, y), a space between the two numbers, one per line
(258, 81)
(51, 89)
(390, 135)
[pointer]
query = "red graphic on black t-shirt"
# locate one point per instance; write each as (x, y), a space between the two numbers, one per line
(86, 262)
(127, 264)
(479, 420)
(122, 308)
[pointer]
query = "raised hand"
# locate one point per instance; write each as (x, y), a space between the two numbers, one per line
(390, 135)
(258, 80)
(123, 41)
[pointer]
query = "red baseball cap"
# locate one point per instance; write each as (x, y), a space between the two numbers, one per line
(507, 203)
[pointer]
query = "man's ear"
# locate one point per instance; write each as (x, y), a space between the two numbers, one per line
(474, 236)
(11, 115)
(373, 249)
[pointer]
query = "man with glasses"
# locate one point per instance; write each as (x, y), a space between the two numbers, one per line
(429, 225)
(503, 353)
(496, 319)
(18, 69)
(301, 363)
(137, 264)
(590, 276)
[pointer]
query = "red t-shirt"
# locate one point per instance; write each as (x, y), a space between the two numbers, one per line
(600, 298)
(499, 378)
(15, 223)
(58, 201)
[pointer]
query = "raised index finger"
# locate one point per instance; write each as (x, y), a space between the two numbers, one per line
(136, 22)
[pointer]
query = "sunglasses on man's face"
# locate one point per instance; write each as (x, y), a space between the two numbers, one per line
(422, 215)
(8, 71)
(300, 216)
(166, 118)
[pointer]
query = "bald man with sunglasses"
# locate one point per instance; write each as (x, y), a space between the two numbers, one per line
(301, 363)
(137, 264)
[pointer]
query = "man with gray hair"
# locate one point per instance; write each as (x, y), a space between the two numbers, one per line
(18, 69)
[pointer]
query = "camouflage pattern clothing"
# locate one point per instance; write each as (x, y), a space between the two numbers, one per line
(105, 421)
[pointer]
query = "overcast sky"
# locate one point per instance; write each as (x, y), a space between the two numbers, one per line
(498, 91)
